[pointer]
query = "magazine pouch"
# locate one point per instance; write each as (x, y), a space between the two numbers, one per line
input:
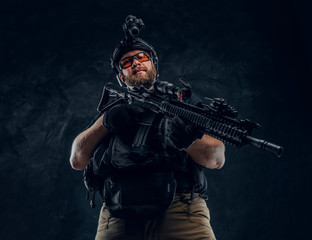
(131, 195)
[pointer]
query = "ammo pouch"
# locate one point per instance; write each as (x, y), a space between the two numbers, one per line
(143, 152)
(131, 195)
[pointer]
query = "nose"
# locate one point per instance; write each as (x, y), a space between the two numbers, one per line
(135, 62)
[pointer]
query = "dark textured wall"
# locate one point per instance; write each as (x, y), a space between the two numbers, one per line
(54, 62)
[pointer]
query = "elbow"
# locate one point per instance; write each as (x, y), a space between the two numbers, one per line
(215, 163)
(76, 164)
(79, 158)
(215, 159)
(208, 152)
(219, 162)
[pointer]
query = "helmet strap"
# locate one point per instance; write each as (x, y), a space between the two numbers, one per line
(120, 79)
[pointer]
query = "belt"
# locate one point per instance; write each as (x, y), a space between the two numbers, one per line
(189, 197)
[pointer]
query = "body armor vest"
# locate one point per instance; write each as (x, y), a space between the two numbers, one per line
(141, 176)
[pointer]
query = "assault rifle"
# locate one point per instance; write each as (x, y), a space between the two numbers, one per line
(216, 119)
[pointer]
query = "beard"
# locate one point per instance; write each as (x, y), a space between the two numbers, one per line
(147, 80)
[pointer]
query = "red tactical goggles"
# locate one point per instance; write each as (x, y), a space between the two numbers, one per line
(127, 61)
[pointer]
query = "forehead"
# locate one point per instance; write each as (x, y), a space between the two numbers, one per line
(131, 53)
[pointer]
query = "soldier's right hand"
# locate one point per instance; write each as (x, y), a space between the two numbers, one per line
(122, 117)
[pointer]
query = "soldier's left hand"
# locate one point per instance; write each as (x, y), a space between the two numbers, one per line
(182, 135)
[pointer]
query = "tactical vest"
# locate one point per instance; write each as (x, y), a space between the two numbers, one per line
(140, 176)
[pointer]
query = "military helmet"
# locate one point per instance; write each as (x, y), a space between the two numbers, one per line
(132, 28)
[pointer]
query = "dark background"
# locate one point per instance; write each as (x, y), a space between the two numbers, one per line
(54, 62)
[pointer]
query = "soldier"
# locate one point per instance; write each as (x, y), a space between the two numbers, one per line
(156, 192)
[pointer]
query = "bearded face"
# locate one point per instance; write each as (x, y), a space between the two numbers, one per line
(137, 71)
(141, 76)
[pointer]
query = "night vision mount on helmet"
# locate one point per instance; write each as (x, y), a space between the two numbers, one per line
(132, 28)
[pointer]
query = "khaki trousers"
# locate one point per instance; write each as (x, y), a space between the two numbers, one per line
(185, 219)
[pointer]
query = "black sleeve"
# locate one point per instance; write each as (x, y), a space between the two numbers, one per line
(99, 114)
(93, 120)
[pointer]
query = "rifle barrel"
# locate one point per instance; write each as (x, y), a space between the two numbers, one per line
(265, 145)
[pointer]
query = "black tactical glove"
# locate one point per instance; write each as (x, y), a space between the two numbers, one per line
(122, 118)
(181, 134)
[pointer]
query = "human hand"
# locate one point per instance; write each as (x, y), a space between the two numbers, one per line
(182, 135)
(122, 117)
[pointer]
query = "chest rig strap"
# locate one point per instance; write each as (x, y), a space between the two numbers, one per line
(141, 147)
(141, 135)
